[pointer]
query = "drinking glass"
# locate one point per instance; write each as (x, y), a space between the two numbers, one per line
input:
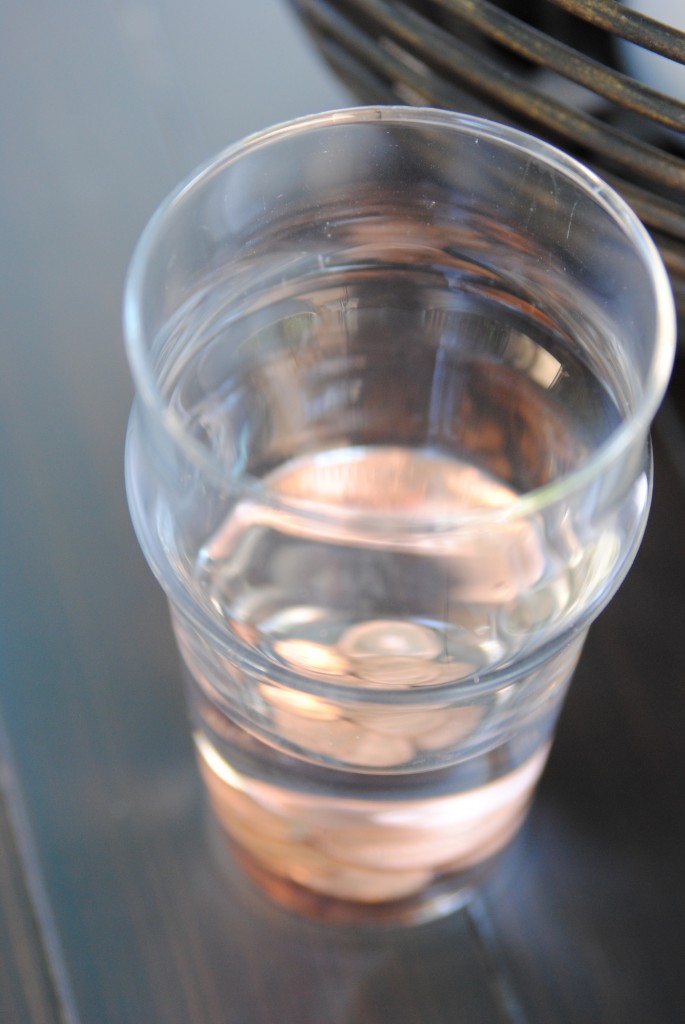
(388, 458)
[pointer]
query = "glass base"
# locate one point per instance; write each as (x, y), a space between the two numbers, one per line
(390, 855)
(446, 894)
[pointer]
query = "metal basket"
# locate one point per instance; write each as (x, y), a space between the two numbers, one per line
(552, 67)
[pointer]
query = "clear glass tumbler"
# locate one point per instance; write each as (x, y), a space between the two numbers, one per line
(388, 458)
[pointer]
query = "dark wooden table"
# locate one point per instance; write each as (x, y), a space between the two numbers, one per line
(113, 906)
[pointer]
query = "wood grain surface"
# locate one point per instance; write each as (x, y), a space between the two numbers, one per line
(115, 906)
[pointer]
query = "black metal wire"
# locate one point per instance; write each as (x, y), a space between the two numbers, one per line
(536, 46)
(442, 52)
(474, 55)
(623, 21)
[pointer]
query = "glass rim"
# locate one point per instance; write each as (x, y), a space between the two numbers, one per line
(635, 424)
